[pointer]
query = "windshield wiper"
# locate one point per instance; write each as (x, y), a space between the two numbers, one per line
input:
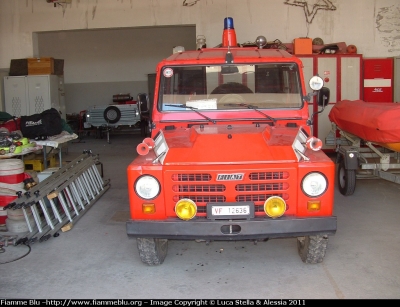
(249, 106)
(191, 108)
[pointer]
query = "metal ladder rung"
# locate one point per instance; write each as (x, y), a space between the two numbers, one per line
(61, 198)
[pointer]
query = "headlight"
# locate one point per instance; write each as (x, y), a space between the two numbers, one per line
(274, 206)
(185, 209)
(147, 187)
(314, 184)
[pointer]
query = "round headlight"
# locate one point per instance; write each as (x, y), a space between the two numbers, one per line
(147, 187)
(314, 184)
(185, 209)
(275, 206)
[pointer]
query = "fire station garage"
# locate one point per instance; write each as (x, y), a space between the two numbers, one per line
(182, 151)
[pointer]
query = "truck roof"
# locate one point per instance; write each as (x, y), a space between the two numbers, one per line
(240, 55)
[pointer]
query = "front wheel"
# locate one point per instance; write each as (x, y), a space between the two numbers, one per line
(312, 249)
(346, 179)
(152, 251)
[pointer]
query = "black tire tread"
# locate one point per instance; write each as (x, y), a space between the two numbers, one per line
(312, 249)
(116, 110)
(152, 251)
(349, 178)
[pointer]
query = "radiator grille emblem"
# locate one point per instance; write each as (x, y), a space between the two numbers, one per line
(230, 177)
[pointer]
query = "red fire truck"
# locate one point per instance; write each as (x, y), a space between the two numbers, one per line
(231, 154)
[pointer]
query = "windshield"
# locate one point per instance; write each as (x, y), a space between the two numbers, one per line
(263, 86)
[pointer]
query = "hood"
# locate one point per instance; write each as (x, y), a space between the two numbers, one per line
(234, 144)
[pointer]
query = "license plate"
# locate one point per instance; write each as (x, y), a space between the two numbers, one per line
(230, 210)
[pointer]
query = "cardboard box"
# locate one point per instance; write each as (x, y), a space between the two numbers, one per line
(302, 45)
(18, 67)
(35, 162)
(40, 66)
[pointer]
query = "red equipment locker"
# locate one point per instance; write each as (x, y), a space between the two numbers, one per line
(342, 74)
(378, 79)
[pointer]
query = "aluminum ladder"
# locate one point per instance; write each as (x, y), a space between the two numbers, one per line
(61, 199)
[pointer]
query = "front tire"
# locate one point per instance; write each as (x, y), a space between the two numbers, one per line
(152, 251)
(346, 179)
(312, 249)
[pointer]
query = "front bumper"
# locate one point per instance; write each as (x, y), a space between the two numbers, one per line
(257, 228)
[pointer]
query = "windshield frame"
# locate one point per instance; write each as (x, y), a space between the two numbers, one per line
(258, 78)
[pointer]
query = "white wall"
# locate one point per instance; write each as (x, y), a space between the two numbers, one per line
(372, 25)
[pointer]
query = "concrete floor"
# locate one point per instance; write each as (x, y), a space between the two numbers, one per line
(97, 260)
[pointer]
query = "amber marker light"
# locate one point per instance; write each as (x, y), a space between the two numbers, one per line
(313, 205)
(275, 206)
(185, 209)
(148, 208)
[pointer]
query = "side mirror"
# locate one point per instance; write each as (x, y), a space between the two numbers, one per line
(143, 104)
(322, 100)
(323, 96)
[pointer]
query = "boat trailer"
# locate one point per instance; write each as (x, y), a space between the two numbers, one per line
(361, 159)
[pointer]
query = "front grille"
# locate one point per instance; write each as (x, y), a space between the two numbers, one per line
(202, 199)
(191, 177)
(269, 175)
(203, 187)
(199, 188)
(259, 197)
(262, 187)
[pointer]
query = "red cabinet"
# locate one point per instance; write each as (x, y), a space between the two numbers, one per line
(342, 74)
(396, 79)
(378, 79)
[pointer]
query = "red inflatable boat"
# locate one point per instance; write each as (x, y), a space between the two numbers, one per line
(378, 123)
